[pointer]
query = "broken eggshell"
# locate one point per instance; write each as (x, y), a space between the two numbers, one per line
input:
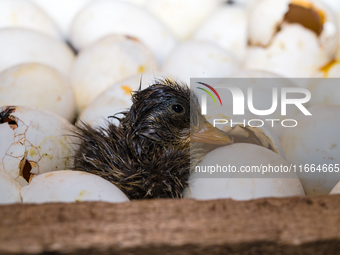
(315, 141)
(9, 189)
(182, 17)
(24, 14)
(71, 186)
(116, 99)
(106, 62)
(20, 46)
(105, 17)
(39, 86)
(252, 185)
(34, 142)
(198, 59)
(336, 189)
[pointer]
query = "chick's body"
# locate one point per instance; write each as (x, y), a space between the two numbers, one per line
(148, 154)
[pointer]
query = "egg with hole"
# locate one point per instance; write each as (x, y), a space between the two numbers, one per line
(211, 179)
(105, 17)
(197, 59)
(10, 189)
(71, 186)
(314, 147)
(38, 86)
(106, 62)
(25, 14)
(34, 142)
(22, 46)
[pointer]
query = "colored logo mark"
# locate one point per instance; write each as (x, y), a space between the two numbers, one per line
(209, 93)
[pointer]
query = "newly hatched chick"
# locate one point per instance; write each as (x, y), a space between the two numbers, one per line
(148, 154)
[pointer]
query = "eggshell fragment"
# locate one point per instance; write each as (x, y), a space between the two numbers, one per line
(253, 185)
(315, 141)
(20, 46)
(183, 17)
(33, 142)
(116, 99)
(24, 14)
(106, 62)
(336, 189)
(228, 28)
(71, 186)
(105, 17)
(197, 59)
(9, 189)
(39, 86)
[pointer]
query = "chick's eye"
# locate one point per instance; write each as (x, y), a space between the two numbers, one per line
(177, 108)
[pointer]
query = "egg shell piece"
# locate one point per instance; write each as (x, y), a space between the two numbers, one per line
(336, 189)
(33, 142)
(39, 86)
(231, 37)
(182, 17)
(115, 99)
(9, 189)
(106, 62)
(252, 187)
(25, 14)
(71, 186)
(315, 141)
(21, 46)
(198, 59)
(105, 17)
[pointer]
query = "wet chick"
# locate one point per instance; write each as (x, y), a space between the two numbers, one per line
(148, 154)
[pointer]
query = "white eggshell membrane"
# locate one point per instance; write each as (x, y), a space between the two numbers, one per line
(315, 141)
(182, 17)
(24, 14)
(336, 189)
(71, 186)
(115, 99)
(62, 12)
(9, 189)
(228, 28)
(20, 46)
(38, 86)
(243, 188)
(106, 62)
(39, 139)
(105, 17)
(197, 59)
(294, 52)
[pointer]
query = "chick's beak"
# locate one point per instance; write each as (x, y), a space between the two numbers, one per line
(211, 135)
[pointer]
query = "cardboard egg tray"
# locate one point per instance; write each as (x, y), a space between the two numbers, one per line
(296, 225)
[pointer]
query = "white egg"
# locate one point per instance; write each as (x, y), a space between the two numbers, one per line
(197, 59)
(20, 46)
(71, 186)
(116, 99)
(9, 189)
(315, 141)
(38, 86)
(228, 28)
(336, 189)
(106, 62)
(105, 17)
(33, 142)
(245, 186)
(183, 17)
(24, 14)
(292, 38)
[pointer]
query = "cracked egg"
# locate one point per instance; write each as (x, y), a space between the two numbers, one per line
(39, 86)
(106, 62)
(9, 189)
(104, 17)
(315, 141)
(243, 186)
(291, 37)
(34, 142)
(71, 186)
